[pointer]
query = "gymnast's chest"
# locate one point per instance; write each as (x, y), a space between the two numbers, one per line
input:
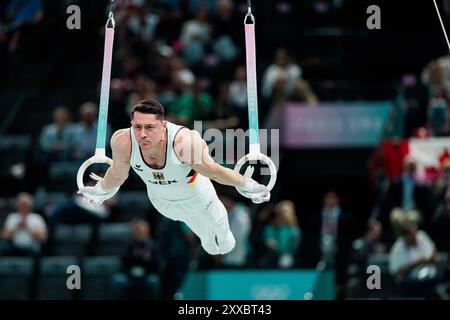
(169, 174)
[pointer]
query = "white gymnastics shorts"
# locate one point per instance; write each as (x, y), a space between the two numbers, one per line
(205, 215)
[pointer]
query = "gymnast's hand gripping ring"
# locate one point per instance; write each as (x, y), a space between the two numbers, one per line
(98, 157)
(249, 171)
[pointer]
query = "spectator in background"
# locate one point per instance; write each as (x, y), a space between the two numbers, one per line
(136, 28)
(56, 141)
(232, 103)
(195, 35)
(394, 152)
(398, 217)
(19, 13)
(282, 74)
(131, 66)
(282, 236)
(369, 244)
(86, 131)
(412, 261)
(331, 212)
(227, 117)
(198, 29)
(224, 31)
(334, 233)
(140, 266)
(144, 88)
(378, 178)
(196, 5)
(24, 231)
(237, 91)
(408, 194)
(395, 126)
(436, 74)
(225, 22)
(410, 106)
(225, 49)
(163, 75)
(141, 23)
(191, 105)
(171, 21)
(182, 76)
(438, 114)
(442, 183)
(240, 225)
(441, 224)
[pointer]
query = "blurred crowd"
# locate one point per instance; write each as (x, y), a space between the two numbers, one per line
(190, 56)
(421, 106)
(411, 202)
(159, 252)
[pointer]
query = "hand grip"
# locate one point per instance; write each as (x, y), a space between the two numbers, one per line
(94, 159)
(249, 172)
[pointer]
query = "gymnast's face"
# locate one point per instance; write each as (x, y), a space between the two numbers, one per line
(148, 129)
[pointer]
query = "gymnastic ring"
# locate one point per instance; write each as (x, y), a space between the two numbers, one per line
(94, 159)
(263, 158)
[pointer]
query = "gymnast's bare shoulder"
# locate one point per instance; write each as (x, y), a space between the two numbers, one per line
(121, 145)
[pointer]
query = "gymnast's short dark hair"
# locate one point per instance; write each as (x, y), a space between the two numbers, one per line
(148, 106)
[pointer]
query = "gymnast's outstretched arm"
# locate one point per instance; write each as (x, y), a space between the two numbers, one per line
(116, 175)
(193, 150)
